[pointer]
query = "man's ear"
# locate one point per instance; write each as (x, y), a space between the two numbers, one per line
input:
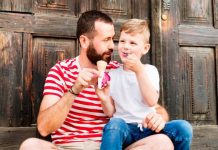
(84, 41)
(146, 49)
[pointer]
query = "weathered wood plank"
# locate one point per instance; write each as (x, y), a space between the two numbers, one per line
(16, 22)
(16, 5)
(156, 43)
(39, 24)
(11, 78)
(54, 25)
(12, 137)
(194, 35)
(55, 6)
(27, 80)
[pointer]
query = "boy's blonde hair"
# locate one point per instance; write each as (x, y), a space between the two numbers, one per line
(137, 26)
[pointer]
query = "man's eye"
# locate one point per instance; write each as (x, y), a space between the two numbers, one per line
(107, 39)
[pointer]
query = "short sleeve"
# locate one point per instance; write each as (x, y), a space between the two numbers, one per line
(153, 76)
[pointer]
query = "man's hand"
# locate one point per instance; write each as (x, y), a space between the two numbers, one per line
(103, 93)
(154, 121)
(86, 77)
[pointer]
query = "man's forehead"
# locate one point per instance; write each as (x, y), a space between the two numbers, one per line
(104, 28)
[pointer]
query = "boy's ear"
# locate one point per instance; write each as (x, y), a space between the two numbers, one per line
(84, 41)
(146, 49)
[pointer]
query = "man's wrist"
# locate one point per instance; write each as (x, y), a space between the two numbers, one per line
(73, 91)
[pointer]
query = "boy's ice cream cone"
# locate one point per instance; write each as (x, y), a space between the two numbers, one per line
(101, 65)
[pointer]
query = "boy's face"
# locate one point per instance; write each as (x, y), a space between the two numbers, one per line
(102, 45)
(132, 44)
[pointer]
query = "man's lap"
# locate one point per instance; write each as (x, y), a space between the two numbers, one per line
(87, 145)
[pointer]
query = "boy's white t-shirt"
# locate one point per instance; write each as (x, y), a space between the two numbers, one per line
(125, 91)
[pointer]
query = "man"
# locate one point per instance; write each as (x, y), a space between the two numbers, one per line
(70, 110)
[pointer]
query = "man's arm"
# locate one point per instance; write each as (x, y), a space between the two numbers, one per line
(156, 120)
(162, 111)
(107, 102)
(54, 110)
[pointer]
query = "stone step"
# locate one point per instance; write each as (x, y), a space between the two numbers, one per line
(205, 137)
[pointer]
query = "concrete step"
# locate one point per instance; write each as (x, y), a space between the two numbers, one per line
(205, 137)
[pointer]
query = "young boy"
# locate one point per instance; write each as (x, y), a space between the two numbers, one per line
(133, 92)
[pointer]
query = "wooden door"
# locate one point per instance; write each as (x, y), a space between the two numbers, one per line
(185, 50)
(34, 35)
(188, 59)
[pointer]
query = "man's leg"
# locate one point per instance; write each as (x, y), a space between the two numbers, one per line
(37, 144)
(180, 132)
(116, 135)
(153, 142)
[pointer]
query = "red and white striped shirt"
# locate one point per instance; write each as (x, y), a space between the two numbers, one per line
(85, 119)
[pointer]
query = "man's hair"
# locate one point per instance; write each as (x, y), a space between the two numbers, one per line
(86, 22)
(137, 26)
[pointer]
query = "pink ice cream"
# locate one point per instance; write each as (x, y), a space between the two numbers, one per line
(104, 81)
(104, 77)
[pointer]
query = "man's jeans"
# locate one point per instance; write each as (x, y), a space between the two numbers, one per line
(118, 134)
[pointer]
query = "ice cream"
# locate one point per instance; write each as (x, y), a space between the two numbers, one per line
(104, 77)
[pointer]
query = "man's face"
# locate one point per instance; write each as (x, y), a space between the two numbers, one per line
(94, 56)
(101, 46)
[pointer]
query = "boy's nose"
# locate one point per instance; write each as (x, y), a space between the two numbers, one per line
(126, 47)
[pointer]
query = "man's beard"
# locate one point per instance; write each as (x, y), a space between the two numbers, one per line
(93, 56)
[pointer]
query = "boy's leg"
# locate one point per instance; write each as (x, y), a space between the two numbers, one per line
(116, 135)
(180, 132)
(36, 144)
(154, 142)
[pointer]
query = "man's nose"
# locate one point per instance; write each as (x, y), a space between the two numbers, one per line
(111, 44)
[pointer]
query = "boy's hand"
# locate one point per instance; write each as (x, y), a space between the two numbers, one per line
(133, 63)
(154, 121)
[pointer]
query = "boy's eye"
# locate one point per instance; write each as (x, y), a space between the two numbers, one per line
(133, 43)
(121, 41)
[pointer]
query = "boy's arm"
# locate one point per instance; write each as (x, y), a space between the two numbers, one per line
(149, 92)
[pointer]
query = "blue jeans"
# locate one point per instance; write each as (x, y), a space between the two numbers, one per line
(118, 134)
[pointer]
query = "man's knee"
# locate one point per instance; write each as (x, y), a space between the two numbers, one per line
(165, 142)
(30, 142)
(157, 142)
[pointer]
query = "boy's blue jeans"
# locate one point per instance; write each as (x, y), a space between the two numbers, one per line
(118, 134)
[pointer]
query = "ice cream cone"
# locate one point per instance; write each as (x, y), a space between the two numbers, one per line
(101, 65)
